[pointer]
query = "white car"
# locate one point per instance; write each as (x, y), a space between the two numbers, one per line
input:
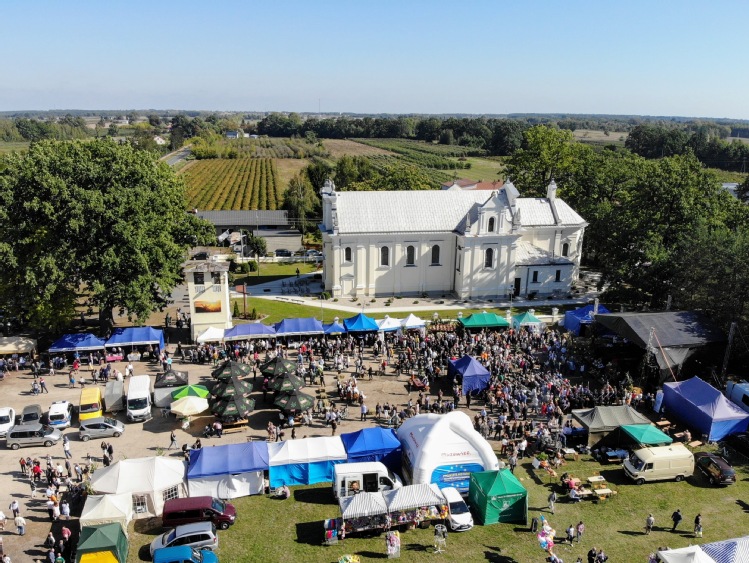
(60, 414)
(7, 420)
(460, 516)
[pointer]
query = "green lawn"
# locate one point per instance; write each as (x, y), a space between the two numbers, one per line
(482, 169)
(13, 146)
(270, 530)
(272, 271)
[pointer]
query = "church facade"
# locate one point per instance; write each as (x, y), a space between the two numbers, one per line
(475, 244)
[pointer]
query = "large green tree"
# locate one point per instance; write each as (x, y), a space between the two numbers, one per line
(91, 218)
(301, 201)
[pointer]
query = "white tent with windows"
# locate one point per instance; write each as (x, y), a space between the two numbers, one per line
(211, 334)
(150, 481)
(105, 509)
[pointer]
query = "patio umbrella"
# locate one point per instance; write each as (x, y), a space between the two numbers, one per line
(230, 368)
(226, 388)
(286, 382)
(189, 406)
(233, 406)
(190, 391)
(277, 366)
(294, 401)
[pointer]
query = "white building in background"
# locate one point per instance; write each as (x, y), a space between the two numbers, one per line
(477, 244)
(208, 293)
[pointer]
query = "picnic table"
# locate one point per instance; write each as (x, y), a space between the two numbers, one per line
(603, 493)
(596, 479)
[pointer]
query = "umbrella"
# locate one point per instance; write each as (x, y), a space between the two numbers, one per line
(294, 401)
(286, 382)
(189, 406)
(190, 391)
(230, 368)
(233, 406)
(277, 366)
(226, 388)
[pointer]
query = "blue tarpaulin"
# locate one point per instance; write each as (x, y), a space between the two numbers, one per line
(304, 462)
(231, 458)
(581, 316)
(334, 328)
(249, 330)
(475, 376)
(360, 323)
(701, 406)
(136, 336)
(373, 444)
(73, 342)
(298, 327)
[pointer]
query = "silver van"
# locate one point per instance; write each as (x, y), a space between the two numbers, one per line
(32, 435)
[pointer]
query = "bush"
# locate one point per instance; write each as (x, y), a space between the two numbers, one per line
(235, 312)
(326, 295)
(252, 265)
(253, 314)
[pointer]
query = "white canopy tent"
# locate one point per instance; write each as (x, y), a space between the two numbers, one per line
(211, 334)
(691, 554)
(389, 324)
(104, 509)
(150, 481)
(412, 322)
(362, 505)
(413, 496)
(16, 345)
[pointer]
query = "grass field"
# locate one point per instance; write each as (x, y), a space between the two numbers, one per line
(291, 530)
(482, 169)
(287, 168)
(594, 137)
(740, 139)
(728, 176)
(340, 147)
(13, 146)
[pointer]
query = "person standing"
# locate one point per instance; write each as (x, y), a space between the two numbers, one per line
(698, 526)
(24, 466)
(20, 523)
(521, 447)
(3, 520)
(513, 461)
(110, 450)
(66, 447)
(676, 518)
(173, 441)
(580, 529)
(649, 523)
(364, 411)
(592, 554)
(43, 385)
(552, 499)
(15, 508)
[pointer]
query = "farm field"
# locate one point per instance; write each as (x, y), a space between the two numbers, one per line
(594, 137)
(482, 169)
(233, 184)
(341, 147)
(13, 146)
(740, 139)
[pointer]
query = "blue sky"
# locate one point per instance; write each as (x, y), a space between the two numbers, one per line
(628, 57)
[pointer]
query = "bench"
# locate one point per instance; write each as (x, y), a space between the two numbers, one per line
(238, 426)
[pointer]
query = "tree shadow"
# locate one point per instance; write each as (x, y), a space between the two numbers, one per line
(631, 533)
(493, 555)
(148, 526)
(417, 547)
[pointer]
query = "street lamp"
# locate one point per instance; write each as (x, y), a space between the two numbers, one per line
(511, 291)
(321, 309)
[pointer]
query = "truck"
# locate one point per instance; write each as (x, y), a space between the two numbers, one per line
(114, 396)
(659, 464)
(367, 476)
(139, 399)
(738, 392)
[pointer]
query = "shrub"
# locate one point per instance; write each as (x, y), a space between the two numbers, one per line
(252, 265)
(235, 312)
(253, 314)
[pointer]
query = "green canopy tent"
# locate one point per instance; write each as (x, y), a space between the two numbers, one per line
(497, 496)
(230, 368)
(226, 388)
(286, 382)
(646, 435)
(277, 366)
(105, 543)
(190, 391)
(528, 320)
(484, 320)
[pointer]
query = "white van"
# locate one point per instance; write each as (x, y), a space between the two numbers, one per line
(139, 398)
(367, 476)
(658, 464)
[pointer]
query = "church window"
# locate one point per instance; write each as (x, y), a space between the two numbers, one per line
(436, 255)
(347, 254)
(491, 224)
(384, 256)
(558, 277)
(535, 276)
(565, 249)
(489, 258)
(410, 256)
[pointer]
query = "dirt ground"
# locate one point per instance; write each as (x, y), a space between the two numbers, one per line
(150, 438)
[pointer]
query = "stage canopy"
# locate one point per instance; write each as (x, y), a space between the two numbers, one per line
(475, 376)
(16, 345)
(360, 323)
(299, 327)
(249, 330)
(77, 342)
(573, 320)
(484, 320)
(136, 336)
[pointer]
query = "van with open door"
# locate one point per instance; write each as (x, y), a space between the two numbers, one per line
(368, 476)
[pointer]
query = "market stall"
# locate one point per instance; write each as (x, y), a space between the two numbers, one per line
(105, 543)
(304, 462)
(105, 509)
(229, 471)
(363, 512)
(415, 504)
(84, 342)
(497, 496)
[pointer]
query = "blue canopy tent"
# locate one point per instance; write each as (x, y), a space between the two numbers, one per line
(360, 323)
(77, 342)
(228, 471)
(249, 330)
(334, 328)
(136, 336)
(701, 406)
(299, 327)
(373, 444)
(475, 376)
(582, 316)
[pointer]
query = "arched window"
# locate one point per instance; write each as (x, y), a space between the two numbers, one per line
(347, 254)
(565, 249)
(489, 258)
(410, 256)
(435, 255)
(384, 256)
(491, 224)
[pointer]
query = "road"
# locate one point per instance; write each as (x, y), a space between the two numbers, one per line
(173, 158)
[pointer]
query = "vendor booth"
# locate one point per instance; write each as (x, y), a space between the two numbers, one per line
(299, 327)
(497, 496)
(373, 444)
(304, 462)
(412, 322)
(360, 323)
(16, 345)
(484, 320)
(84, 342)
(527, 320)
(444, 449)
(415, 504)
(580, 320)
(249, 330)
(165, 384)
(149, 480)
(105, 543)
(643, 435)
(700, 406)
(474, 376)
(600, 421)
(106, 509)
(211, 334)
(727, 551)
(334, 328)
(227, 472)
(389, 324)
(132, 337)
(363, 511)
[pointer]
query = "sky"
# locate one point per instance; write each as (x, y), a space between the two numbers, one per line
(655, 57)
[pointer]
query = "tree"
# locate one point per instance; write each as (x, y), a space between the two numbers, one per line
(96, 219)
(154, 120)
(301, 201)
(113, 130)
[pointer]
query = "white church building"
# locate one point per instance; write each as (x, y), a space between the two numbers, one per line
(476, 244)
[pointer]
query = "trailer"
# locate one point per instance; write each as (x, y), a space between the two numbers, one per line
(114, 397)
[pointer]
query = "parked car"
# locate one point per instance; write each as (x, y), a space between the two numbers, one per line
(460, 516)
(31, 414)
(200, 535)
(60, 414)
(312, 253)
(32, 434)
(100, 427)
(7, 420)
(178, 511)
(715, 469)
(739, 442)
(183, 554)
(283, 252)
